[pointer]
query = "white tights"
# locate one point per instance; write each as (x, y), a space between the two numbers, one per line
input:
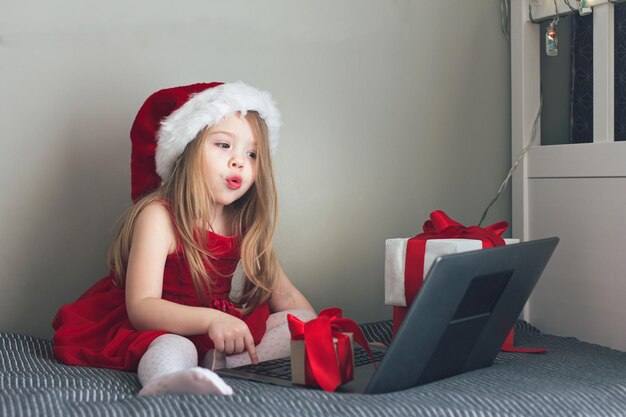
(170, 365)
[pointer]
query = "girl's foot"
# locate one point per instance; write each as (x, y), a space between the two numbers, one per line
(188, 381)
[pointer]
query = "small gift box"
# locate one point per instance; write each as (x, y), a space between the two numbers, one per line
(407, 261)
(344, 355)
(322, 352)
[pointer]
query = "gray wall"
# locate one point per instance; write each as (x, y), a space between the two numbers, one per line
(392, 109)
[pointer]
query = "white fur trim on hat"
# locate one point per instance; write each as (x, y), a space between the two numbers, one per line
(206, 109)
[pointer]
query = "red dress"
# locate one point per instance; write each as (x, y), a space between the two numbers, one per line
(95, 329)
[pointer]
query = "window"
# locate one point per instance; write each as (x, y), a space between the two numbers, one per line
(568, 82)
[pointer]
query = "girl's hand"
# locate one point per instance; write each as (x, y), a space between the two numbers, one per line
(231, 335)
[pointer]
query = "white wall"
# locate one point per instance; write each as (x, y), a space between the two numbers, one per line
(582, 291)
(392, 109)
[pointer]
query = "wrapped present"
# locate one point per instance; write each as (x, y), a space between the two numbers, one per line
(322, 353)
(407, 261)
(344, 352)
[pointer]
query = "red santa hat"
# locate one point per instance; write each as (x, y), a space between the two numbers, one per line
(171, 118)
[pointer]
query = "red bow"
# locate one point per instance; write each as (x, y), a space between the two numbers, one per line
(440, 226)
(226, 307)
(324, 367)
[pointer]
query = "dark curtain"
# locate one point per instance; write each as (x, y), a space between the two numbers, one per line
(620, 71)
(581, 95)
(581, 105)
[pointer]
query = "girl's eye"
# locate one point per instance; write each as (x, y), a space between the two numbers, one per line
(223, 145)
(252, 155)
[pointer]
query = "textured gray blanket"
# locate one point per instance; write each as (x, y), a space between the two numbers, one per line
(572, 379)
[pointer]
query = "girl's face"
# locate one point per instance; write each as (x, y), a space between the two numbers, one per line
(230, 151)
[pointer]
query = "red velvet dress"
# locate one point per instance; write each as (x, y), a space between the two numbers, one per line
(95, 329)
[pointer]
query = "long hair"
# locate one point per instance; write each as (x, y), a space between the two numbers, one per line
(191, 202)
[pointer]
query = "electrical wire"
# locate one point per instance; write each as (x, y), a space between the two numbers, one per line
(570, 6)
(505, 18)
(533, 135)
(506, 30)
(555, 20)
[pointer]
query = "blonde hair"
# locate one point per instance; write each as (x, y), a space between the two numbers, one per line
(191, 202)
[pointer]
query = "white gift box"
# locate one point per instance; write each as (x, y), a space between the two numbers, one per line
(395, 259)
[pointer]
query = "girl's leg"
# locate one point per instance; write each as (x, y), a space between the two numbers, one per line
(275, 344)
(170, 366)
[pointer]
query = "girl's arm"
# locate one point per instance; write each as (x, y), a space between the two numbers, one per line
(285, 296)
(153, 239)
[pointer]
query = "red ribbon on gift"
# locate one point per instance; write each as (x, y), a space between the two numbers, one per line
(440, 226)
(324, 367)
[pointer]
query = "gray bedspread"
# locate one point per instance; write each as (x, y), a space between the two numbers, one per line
(572, 379)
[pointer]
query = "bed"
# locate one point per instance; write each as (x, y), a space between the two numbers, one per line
(573, 378)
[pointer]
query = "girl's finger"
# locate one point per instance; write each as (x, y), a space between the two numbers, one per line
(229, 346)
(240, 345)
(219, 344)
(249, 344)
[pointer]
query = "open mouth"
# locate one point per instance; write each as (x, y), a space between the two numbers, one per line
(234, 182)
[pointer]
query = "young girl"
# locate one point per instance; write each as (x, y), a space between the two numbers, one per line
(204, 201)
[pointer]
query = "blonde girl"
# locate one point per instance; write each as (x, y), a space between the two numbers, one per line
(204, 202)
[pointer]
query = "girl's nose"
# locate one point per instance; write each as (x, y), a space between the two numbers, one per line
(236, 163)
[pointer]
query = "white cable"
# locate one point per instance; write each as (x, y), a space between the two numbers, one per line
(533, 134)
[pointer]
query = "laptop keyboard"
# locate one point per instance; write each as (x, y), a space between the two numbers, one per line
(281, 368)
(276, 368)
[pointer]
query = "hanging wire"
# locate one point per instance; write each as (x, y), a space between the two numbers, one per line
(570, 6)
(555, 20)
(533, 135)
(505, 20)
